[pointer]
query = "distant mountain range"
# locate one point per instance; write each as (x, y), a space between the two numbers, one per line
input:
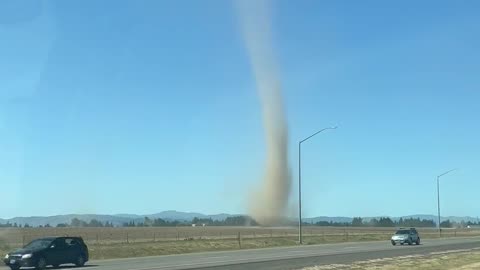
(119, 219)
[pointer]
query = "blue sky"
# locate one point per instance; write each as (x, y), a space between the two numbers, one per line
(143, 106)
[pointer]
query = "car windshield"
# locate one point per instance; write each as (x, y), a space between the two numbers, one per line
(243, 121)
(41, 243)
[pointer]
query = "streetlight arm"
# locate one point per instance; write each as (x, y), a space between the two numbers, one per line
(447, 172)
(335, 127)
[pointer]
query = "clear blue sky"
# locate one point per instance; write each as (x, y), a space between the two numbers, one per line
(143, 106)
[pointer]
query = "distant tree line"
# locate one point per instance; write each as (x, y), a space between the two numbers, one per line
(452, 224)
(158, 222)
(331, 224)
(248, 221)
(383, 222)
(388, 222)
(229, 221)
(148, 222)
(75, 222)
(14, 225)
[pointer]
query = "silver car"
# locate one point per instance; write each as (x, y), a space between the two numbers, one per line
(408, 236)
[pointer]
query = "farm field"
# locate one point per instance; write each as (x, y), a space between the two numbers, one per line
(105, 243)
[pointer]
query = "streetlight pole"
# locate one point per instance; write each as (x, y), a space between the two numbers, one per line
(438, 206)
(300, 181)
(438, 200)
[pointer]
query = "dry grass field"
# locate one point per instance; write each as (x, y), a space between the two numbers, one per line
(148, 241)
(465, 260)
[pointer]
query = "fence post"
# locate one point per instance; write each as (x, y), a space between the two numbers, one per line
(239, 240)
(23, 240)
(154, 237)
(127, 237)
(271, 233)
(97, 238)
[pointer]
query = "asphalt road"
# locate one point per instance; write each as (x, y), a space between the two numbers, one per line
(282, 258)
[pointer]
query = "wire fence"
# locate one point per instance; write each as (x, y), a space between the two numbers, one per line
(15, 237)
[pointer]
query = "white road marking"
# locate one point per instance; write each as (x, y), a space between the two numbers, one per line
(217, 257)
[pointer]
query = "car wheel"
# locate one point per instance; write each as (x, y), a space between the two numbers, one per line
(418, 241)
(41, 264)
(393, 243)
(80, 261)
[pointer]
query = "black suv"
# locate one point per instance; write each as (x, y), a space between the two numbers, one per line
(49, 251)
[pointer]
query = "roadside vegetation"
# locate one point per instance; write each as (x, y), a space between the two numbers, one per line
(464, 260)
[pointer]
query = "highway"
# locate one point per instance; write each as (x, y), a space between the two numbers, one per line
(282, 257)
